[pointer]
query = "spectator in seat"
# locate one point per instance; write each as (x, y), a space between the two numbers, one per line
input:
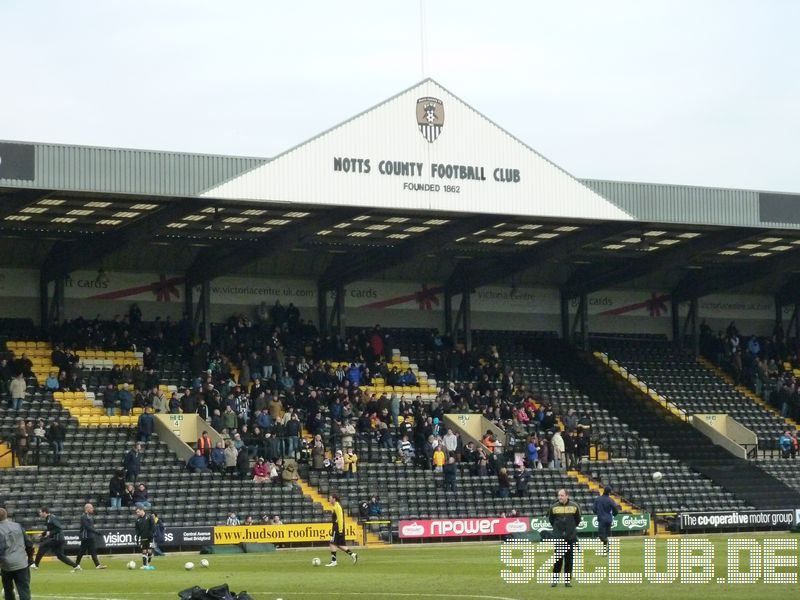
(786, 445)
(260, 471)
(503, 483)
(233, 520)
(293, 430)
(585, 423)
(125, 400)
(230, 420)
(51, 383)
(570, 450)
(450, 471)
(116, 488)
(405, 450)
(439, 459)
(374, 510)
(141, 497)
(204, 444)
(482, 464)
(582, 444)
(197, 463)
(17, 389)
(521, 479)
(160, 404)
(145, 426)
(544, 452)
(56, 436)
(289, 475)
(133, 463)
(110, 400)
(21, 442)
(127, 495)
(350, 463)
(231, 454)
(558, 449)
(217, 462)
(450, 441)
(570, 421)
(338, 463)
(318, 454)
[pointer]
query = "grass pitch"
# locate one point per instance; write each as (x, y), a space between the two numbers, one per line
(450, 572)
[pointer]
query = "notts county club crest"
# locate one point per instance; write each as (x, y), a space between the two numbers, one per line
(430, 117)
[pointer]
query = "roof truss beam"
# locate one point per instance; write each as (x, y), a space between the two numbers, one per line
(66, 257)
(215, 262)
(703, 282)
(353, 266)
(475, 274)
(593, 278)
(12, 202)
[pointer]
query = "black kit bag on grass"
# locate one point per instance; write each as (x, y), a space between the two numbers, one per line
(220, 592)
(191, 593)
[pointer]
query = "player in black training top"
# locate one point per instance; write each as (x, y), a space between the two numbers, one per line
(565, 516)
(145, 531)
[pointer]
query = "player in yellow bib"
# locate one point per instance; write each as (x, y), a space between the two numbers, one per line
(337, 533)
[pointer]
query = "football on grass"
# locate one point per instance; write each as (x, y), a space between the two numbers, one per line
(204, 563)
(316, 562)
(132, 565)
(189, 566)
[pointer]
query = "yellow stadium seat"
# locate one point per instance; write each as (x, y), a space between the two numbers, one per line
(58, 396)
(113, 421)
(94, 421)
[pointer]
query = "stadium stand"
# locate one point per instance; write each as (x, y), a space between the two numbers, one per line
(681, 379)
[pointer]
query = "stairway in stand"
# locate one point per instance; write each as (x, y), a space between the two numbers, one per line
(311, 492)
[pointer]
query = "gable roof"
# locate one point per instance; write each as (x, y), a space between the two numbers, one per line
(472, 165)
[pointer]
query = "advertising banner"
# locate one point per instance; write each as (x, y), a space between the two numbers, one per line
(621, 523)
(738, 519)
(275, 534)
(439, 528)
(125, 538)
(127, 287)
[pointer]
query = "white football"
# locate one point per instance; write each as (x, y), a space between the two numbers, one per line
(189, 566)
(316, 562)
(132, 565)
(204, 563)
(658, 476)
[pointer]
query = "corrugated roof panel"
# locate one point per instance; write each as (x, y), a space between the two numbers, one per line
(663, 203)
(126, 171)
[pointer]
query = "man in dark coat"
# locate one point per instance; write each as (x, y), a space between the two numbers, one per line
(88, 536)
(133, 463)
(52, 539)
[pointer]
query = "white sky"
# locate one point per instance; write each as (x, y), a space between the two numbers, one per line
(700, 92)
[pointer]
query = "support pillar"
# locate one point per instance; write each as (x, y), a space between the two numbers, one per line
(322, 309)
(676, 321)
(188, 299)
(584, 322)
(695, 327)
(448, 311)
(467, 315)
(206, 301)
(564, 303)
(340, 317)
(44, 302)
